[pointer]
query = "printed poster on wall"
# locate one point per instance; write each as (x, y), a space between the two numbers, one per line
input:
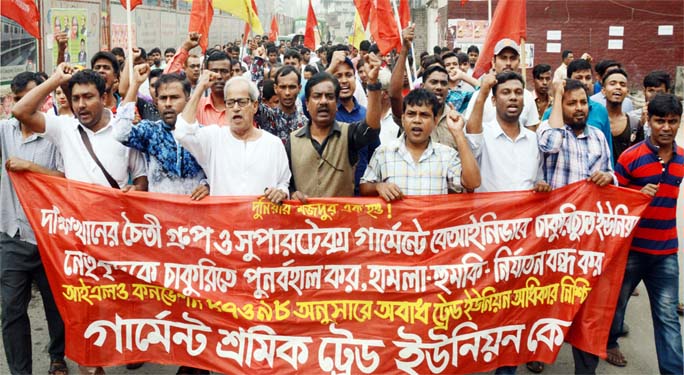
(73, 22)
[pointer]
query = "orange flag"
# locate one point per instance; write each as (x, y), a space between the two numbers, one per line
(310, 41)
(23, 12)
(364, 8)
(404, 13)
(273, 35)
(134, 3)
(509, 21)
(384, 27)
(200, 19)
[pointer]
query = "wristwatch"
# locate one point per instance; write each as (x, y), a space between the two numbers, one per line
(374, 86)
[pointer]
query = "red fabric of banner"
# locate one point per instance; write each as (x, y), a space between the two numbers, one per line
(23, 12)
(134, 3)
(201, 15)
(509, 21)
(364, 8)
(441, 284)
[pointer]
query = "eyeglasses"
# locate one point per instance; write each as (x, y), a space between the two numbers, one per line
(241, 102)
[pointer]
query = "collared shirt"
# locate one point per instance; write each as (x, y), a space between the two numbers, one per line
(528, 117)
(233, 166)
(437, 171)
(358, 112)
(360, 136)
(506, 164)
(171, 168)
(208, 114)
(120, 161)
(35, 149)
(627, 105)
(569, 158)
(389, 130)
(541, 105)
(656, 232)
(560, 73)
(598, 118)
(279, 123)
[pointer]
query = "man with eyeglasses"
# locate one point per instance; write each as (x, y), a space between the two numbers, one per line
(183, 61)
(238, 159)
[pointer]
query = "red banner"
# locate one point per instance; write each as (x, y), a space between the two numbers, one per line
(440, 284)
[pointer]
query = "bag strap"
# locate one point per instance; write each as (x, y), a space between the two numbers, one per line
(89, 147)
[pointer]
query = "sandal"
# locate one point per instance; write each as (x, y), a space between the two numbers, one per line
(536, 367)
(58, 367)
(680, 308)
(616, 358)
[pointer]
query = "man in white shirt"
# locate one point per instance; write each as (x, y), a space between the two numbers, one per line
(94, 124)
(561, 72)
(116, 164)
(507, 152)
(238, 159)
(507, 59)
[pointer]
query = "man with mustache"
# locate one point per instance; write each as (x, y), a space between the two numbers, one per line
(212, 109)
(116, 164)
(574, 151)
(287, 116)
(323, 154)
(625, 130)
(171, 168)
(238, 159)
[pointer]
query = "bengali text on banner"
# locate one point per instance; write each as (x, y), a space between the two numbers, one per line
(440, 284)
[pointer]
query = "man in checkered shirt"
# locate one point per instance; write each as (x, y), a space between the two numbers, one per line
(414, 164)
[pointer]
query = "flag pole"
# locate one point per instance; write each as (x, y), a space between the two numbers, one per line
(523, 59)
(489, 12)
(129, 31)
(401, 38)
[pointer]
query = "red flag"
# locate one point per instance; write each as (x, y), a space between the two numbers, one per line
(364, 8)
(384, 27)
(200, 19)
(404, 13)
(310, 32)
(273, 35)
(134, 3)
(245, 36)
(23, 12)
(509, 21)
(463, 2)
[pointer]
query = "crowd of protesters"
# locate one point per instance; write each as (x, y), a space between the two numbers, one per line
(286, 122)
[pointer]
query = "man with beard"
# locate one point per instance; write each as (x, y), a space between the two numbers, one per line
(323, 154)
(212, 109)
(473, 54)
(171, 168)
(541, 73)
(238, 159)
(597, 117)
(155, 57)
(655, 82)
(286, 117)
(413, 164)
(572, 150)
(90, 152)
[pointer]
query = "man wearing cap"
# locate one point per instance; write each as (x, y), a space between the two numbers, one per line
(507, 59)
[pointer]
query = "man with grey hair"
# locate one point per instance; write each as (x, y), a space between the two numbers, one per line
(238, 159)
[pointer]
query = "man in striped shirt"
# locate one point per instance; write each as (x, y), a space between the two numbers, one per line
(655, 166)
